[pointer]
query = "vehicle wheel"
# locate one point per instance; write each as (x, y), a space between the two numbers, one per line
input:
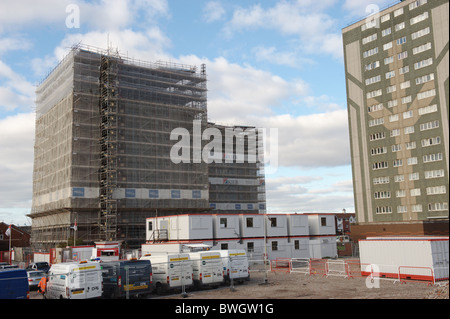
(158, 288)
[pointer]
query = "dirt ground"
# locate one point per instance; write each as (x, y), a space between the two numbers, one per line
(281, 285)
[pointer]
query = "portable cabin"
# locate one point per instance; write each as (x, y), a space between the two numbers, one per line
(251, 225)
(225, 226)
(276, 225)
(179, 227)
(297, 225)
(321, 224)
(299, 247)
(323, 247)
(415, 257)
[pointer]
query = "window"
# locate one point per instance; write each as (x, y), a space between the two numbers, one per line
(422, 48)
(432, 157)
(273, 222)
(432, 207)
(431, 141)
(379, 165)
(274, 245)
(399, 26)
(423, 63)
(411, 145)
(416, 4)
(150, 225)
(416, 208)
(391, 89)
(399, 178)
(323, 221)
(374, 79)
(414, 192)
(392, 103)
(400, 193)
(434, 174)
(436, 190)
(382, 195)
(249, 222)
(250, 247)
(426, 94)
(420, 33)
(395, 132)
(402, 209)
(383, 210)
(389, 60)
(386, 32)
(398, 12)
(385, 18)
(397, 162)
(390, 74)
(370, 52)
(381, 180)
(419, 18)
(407, 114)
(429, 125)
(401, 40)
(393, 118)
(404, 70)
(402, 55)
(396, 147)
(374, 93)
(412, 161)
(370, 38)
(406, 99)
(408, 130)
(223, 222)
(376, 122)
(377, 136)
(297, 244)
(428, 109)
(224, 246)
(375, 107)
(425, 78)
(372, 65)
(405, 85)
(414, 176)
(387, 46)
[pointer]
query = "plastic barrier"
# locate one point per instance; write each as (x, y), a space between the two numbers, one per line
(416, 274)
(318, 267)
(300, 265)
(280, 264)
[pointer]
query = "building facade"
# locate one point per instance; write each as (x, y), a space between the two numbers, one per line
(397, 79)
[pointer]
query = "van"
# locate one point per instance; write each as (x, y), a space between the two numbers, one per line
(170, 271)
(126, 278)
(235, 265)
(14, 284)
(74, 280)
(207, 268)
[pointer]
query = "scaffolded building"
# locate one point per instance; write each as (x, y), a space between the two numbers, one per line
(102, 148)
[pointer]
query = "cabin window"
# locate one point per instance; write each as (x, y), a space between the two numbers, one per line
(296, 244)
(273, 222)
(274, 245)
(250, 247)
(249, 222)
(150, 225)
(223, 223)
(224, 246)
(323, 221)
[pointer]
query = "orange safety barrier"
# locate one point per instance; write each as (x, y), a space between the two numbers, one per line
(280, 264)
(318, 266)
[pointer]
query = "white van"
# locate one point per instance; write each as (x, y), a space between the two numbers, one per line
(74, 280)
(235, 265)
(207, 268)
(170, 271)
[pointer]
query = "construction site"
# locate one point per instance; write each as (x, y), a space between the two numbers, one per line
(103, 145)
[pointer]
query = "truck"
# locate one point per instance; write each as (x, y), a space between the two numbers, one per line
(14, 284)
(74, 280)
(235, 265)
(207, 268)
(171, 271)
(126, 278)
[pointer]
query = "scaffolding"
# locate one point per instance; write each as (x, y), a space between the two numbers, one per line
(102, 147)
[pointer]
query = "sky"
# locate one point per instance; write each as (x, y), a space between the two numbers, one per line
(271, 64)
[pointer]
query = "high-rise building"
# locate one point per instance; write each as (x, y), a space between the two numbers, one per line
(397, 78)
(105, 155)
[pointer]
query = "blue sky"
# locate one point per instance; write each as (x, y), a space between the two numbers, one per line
(273, 64)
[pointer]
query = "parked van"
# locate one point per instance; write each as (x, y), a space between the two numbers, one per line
(14, 284)
(126, 278)
(207, 268)
(170, 271)
(235, 265)
(74, 280)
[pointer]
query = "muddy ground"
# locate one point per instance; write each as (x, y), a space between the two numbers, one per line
(281, 285)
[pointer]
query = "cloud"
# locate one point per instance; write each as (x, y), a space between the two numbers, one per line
(15, 91)
(16, 160)
(213, 11)
(304, 19)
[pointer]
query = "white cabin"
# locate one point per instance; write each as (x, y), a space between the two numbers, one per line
(226, 226)
(252, 225)
(321, 224)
